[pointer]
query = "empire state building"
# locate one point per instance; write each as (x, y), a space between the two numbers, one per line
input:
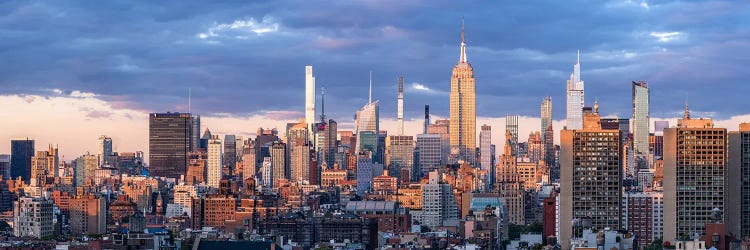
(463, 110)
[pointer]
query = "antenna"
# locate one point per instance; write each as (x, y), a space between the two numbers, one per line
(370, 97)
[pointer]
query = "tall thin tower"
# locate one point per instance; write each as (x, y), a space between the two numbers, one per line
(640, 122)
(400, 105)
(463, 119)
(575, 100)
(548, 134)
(309, 99)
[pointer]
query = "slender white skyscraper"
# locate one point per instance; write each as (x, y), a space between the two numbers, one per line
(400, 106)
(309, 99)
(640, 121)
(213, 170)
(575, 100)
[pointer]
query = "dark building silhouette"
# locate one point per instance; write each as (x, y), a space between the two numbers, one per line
(20, 159)
(169, 143)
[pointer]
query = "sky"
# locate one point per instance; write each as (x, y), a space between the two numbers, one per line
(74, 70)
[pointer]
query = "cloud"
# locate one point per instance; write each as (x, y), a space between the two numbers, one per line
(283, 115)
(241, 28)
(666, 36)
(80, 94)
(416, 87)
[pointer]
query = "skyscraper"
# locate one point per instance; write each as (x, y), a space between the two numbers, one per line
(590, 177)
(400, 156)
(439, 204)
(309, 100)
(485, 140)
(279, 171)
(509, 184)
(694, 164)
(430, 151)
(548, 132)
(367, 127)
(400, 116)
(463, 109)
(511, 126)
(640, 123)
(575, 100)
(44, 164)
(169, 144)
(230, 151)
(20, 158)
(86, 166)
(738, 181)
(195, 135)
(213, 170)
(103, 149)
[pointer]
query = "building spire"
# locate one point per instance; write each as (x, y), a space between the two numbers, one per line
(686, 115)
(463, 43)
(369, 100)
(323, 105)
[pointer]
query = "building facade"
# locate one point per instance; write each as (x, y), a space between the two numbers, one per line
(32, 217)
(169, 143)
(463, 109)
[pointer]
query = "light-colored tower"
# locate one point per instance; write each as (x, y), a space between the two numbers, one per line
(640, 123)
(214, 162)
(103, 149)
(548, 134)
(309, 99)
(485, 153)
(509, 184)
(463, 110)
(575, 100)
(400, 106)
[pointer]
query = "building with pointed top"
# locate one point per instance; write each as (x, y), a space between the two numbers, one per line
(575, 98)
(463, 117)
(509, 184)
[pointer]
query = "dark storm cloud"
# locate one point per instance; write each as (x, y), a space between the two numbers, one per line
(249, 58)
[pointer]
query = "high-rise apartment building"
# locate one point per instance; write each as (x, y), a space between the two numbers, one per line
(485, 140)
(548, 132)
(32, 217)
(511, 126)
(463, 117)
(366, 171)
(213, 169)
(277, 152)
(441, 127)
(88, 215)
(103, 149)
(694, 172)
(195, 133)
(640, 122)
(309, 100)
(738, 182)
(590, 178)
(400, 114)
(169, 143)
(439, 205)
(575, 98)
(20, 158)
(643, 215)
(534, 147)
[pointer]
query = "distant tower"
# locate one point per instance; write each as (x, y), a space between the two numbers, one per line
(511, 126)
(309, 99)
(640, 122)
(103, 149)
(548, 134)
(400, 106)
(426, 118)
(575, 100)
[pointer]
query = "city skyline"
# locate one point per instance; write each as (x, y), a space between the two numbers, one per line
(104, 103)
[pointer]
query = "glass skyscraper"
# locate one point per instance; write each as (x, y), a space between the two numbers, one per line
(640, 122)
(169, 143)
(20, 158)
(575, 98)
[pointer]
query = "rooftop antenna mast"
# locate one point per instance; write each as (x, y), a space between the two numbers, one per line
(370, 96)
(323, 105)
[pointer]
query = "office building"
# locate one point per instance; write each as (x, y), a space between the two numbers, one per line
(575, 98)
(511, 126)
(44, 164)
(509, 183)
(485, 140)
(590, 178)
(429, 157)
(640, 122)
(85, 167)
(278, 162)
(20, 158)
(325, 142)
(366, 171)
(5, 167)
(463, 117)
(32, 217)
(230, 151)
(103, 149)
(203, 145)
(534, 147)
(548, 132)
(214, 160)
(196, 169)
(195, 133)
(400, 157)
(169, 144)
(299, 162)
